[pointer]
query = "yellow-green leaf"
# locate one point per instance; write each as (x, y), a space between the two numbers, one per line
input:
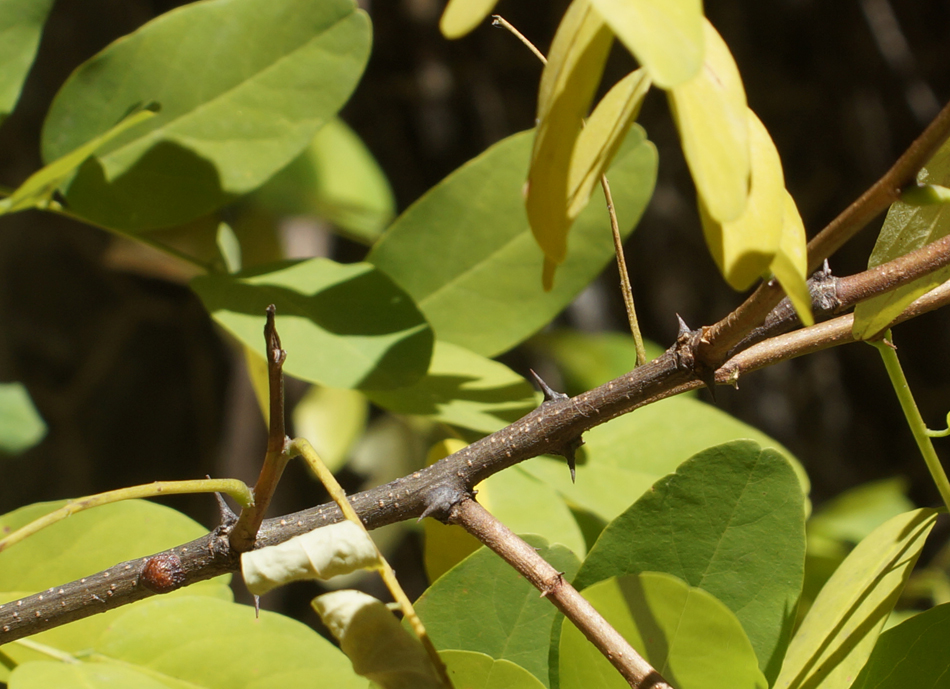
(461, 16)
(790, 265)
(744, 248)
(38, 188)
(710, 114)
(599, 140)
(575, 64)
(666, 36)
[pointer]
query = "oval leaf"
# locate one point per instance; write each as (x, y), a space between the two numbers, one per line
(906, 228)
(731, 521)
(21, 426)
(689, 637)
(470, 670)
(666, 36)
(465, 253)
(346, 326)
(21, 24)
(271, 73)
(837, 635)
(790, 265)
(461, 16)
(332, 419)
(710, 114)
(570, 78)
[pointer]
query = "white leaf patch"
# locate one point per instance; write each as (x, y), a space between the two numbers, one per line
(321, 554)
(375, 642)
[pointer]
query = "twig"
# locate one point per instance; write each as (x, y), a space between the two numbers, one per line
(305, 450)
(275, 460)
(236, 489)
(477, 521)
(498, 20)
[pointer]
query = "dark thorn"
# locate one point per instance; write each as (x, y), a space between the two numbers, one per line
(568, 451)
(683, 329)
(257, 607)
(227, 516)
(549, 392)
(709, 380)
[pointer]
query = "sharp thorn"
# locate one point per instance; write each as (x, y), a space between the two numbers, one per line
(549, 392)
(825, 268)
(227, 516)
(257, 607)
(683, 328)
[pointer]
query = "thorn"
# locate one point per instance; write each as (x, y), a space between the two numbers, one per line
(683, 329)
(825, 268)
(709, 380)
(549, 392)
(227, 516)
(257, 607)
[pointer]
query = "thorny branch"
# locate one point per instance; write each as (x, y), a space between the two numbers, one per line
(719, 353)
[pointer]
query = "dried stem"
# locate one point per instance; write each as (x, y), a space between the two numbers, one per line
(477, 521)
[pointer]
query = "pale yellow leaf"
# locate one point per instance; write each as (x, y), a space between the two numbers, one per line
(666, 36)
(332, 419)
(462, 16)
(710, 114)
(570, 78)
(257, 374)
(744, 248)
(790, 265)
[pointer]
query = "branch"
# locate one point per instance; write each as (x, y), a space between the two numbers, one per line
(477, 521)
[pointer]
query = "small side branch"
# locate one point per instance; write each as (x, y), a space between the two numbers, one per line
(477, 521)
(245, 530)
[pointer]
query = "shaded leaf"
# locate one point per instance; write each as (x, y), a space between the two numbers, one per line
(570, 78)
(689, 637)
(463, 389)
(462, 16)
(790, 264)
(912, 654)
(465, 253)
(730, 521)
(906, 228)
(744, 248)
(839, 632)
(345, 326)
(272, 73)
(332, 419)
(666, 36)
(484, 605)
(229, 247)
(336, 178)
(21, 24)
(710, 114)
(470, 670)
(21, 426)
(38, 189)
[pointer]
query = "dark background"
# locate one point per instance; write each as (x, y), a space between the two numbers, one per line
(136, 385)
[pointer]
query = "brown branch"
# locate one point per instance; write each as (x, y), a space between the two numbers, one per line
(477, 521)
(275, 460)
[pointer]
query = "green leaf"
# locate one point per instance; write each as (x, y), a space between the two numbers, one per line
(21, 426)
(45, 674)
(470, 670)
(332, 419)
(731, 521)
(790, 264)
(838, 633)
(587, 360)
(507, 619)
(744, 248)
(38, 189)
(710, 114)
(912, 654)
(689, 637)
(336, 178)
(229, 247)
(666, 36)
(598, 141)
(570, 78)
(465, 253)
(463, 389)
(86, 543)
(854, 514)
(345, 326)
(21, 24)
(906, 228)
(628, 455)
(462, 16)
(272, 72)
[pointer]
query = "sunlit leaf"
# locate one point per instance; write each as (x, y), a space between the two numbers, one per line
(731, 521)
(570, 78)
(689, 637)
(465, 253)
(244, 85)
(461, 16)
(906, 228)
(470, 670)
(838, 634)
(790, 264)
(666, 36)
(342, 325)
(710, 114)
(332, 419)
(744, 248)
(21, 24)
(21, 426)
